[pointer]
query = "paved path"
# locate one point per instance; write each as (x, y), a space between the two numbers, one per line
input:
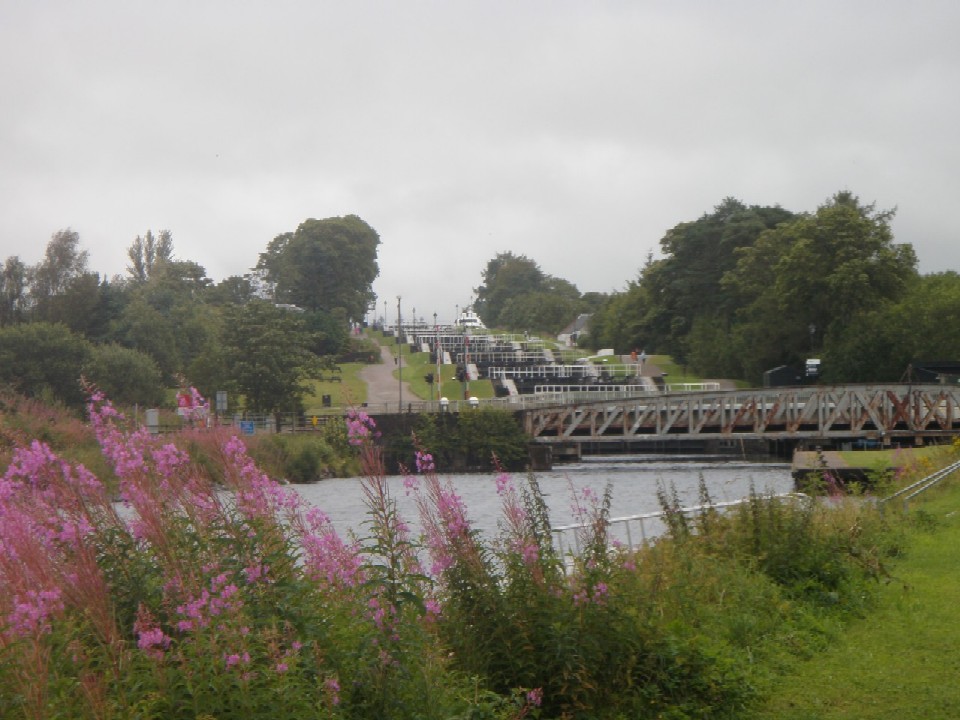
(383, 389)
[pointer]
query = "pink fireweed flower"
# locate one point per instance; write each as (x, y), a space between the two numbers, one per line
(32, 612)
(535, 697)
(256, 572)
(326, 557)
(410, 483)
(448, 534)
(332, 688)
(153, 638)
(425, 462)
(361, 428)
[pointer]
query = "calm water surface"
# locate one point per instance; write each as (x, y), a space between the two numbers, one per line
(634, 481)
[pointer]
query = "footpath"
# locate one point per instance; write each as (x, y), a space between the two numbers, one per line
(903, 659)
(383, 389)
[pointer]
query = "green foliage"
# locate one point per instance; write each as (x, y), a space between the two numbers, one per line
(795, 278)
(268, 351)
(41, 360)
(888, 337)
(304, 457)
(325, 265)
(516, 293)
(473, 438)
(748, 288)
(129, 376)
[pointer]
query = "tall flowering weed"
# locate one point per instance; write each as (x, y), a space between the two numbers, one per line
(204, 597)
(208, 589)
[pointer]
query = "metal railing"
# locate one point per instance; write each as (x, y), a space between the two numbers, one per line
(650, 525)
(911, 491)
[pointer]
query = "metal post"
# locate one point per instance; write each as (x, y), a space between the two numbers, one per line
(399, 358)
(438, 350)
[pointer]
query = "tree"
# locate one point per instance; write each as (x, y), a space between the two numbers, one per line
(505, 277)
(618, 322)
(44, 360)
(148, 253)
(167, 317)
(325, 265)
(541, 310)
(13, 291)
(815, 276)
(76, 306)
(126, 376)
(62, 263)
(685, 285)
(267, 351)
(924, 324)
(234, 290)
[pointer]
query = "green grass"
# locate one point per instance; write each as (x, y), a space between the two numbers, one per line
(419, 364)
(350, 390)
(901, 661)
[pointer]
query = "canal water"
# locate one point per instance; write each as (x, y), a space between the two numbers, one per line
(634, 481)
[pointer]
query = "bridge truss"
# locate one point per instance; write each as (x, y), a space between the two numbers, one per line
(827, 413)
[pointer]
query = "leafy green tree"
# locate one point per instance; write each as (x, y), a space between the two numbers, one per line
(541, 310)
(325, 265)
(13, 291)
(167, 316)
(144, 328)
(267, 350)
(63, 262)
(618, 323)
(77, 306)
(127, 376)
(329, 332)
(685, 285)
(44, 360)
(148, 253)
(813, 276)
(922, 325)
(506, 276)
(234, 290)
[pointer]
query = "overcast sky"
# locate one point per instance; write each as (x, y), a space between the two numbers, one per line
(575, 133)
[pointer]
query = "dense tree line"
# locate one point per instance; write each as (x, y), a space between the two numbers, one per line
(260, 335)
(747, 288)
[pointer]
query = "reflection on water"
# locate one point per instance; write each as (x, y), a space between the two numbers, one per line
(634, 481)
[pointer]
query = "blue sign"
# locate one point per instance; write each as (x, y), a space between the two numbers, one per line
(247, 427)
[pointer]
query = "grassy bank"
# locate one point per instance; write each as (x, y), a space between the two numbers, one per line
(901, 661)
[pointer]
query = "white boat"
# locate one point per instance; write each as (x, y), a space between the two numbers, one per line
(469, 319)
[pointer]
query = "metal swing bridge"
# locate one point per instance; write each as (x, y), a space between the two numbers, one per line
(817, 413)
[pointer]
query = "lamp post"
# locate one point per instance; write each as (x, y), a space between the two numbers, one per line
(437, 350)
(384, 315)
(399, 358)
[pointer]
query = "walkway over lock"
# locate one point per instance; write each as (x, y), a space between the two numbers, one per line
(834, 413)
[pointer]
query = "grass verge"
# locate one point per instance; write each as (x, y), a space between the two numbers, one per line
(900, 661)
